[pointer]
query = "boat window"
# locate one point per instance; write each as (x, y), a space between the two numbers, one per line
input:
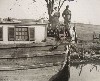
(21, 34)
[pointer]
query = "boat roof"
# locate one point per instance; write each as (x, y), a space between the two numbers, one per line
(23, 24)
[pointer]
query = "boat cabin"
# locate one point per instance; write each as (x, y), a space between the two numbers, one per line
(12, 33)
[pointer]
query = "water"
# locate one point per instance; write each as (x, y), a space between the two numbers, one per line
(83, 72)
(89, 72)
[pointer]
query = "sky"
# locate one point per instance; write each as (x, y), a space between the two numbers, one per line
(83, 11)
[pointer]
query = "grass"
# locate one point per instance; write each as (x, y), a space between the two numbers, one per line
(85, 31)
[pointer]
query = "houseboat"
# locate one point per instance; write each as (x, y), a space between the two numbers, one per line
(31, 43)
(29, 38)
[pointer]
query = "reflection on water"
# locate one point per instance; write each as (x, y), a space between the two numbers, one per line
(88, 72)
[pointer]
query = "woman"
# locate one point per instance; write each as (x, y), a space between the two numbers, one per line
(55, 22)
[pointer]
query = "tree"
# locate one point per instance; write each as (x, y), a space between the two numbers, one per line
(50, 4)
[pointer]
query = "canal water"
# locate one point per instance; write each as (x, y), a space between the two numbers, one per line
(82, 72)
(88, 72)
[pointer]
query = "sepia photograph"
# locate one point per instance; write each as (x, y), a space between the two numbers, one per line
(49, 40)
